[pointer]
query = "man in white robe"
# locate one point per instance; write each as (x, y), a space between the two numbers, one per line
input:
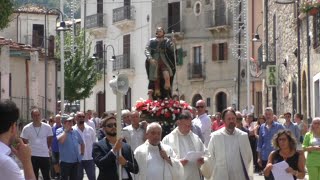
(230, 152)
(183, 140)
(157, 160)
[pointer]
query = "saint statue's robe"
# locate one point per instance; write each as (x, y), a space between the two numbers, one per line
(153, 167)
(230, 156)
(181, 145)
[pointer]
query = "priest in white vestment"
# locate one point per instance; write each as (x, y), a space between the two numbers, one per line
(230, 152)
(157, 160)
(183, 140)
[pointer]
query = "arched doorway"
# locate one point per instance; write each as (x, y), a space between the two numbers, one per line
(304, 94)
(221, 101)
(196, 98)
(101, 103)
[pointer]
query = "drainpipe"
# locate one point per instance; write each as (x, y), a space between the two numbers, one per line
(298, 57)
(17, 27)
(27, 86)
(266, 37)
(308, 66)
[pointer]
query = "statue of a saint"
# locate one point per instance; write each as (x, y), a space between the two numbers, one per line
(160, 65)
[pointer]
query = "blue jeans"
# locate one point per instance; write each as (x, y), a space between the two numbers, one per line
(69, 170)
(89, 167)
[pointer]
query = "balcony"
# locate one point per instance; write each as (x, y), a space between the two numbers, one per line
(122, 64)
(97, 24)
(124, 17)
(196, 71)
(216, 21)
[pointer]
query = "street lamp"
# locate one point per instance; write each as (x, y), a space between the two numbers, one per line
(105, 48)
(256, 37)
(61, 28)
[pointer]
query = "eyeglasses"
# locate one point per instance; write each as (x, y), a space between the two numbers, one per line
(111, 125)
(81, 116)
(199, 107)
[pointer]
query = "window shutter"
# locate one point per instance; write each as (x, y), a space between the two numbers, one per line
(214, 52)
(225, 51)
(180, 57)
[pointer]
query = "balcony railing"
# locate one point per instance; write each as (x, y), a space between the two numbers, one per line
(121, 62)
(96, 21)
(213, 19)
(123, 13)
(196, 70)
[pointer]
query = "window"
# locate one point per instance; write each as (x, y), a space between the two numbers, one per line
(197, 8)
(219, 51)
(174, 17)
(99, 49)
(127, 100)
(126, 51)
(37, 35)
(197, 55)
(99, 55)
(220, 13)
(316, 31)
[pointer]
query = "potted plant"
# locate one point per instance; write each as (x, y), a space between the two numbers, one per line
(311, 7)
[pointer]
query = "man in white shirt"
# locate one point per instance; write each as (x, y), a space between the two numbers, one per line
(9, 114)
(203, 121)
(88, 136)
(183, 140)
(157, 160)
(88, 120)
(134, 134)
(39, 137)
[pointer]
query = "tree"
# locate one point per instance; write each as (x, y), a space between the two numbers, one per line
(6, 9)
(81, 73)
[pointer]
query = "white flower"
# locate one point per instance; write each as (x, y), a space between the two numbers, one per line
(173, 116)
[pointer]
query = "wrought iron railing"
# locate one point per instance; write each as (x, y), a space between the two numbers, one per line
(196, 70)
(123, 13)
(96, 20)
(121, 62)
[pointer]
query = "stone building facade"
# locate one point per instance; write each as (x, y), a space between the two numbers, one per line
(287, 25)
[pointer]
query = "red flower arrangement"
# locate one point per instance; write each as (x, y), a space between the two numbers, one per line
(166, 110)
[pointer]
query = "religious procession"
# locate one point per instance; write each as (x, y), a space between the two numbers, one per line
(161, 138)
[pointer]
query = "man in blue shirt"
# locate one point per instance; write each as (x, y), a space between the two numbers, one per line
(266, 132)
(69, 141)
(55, 147)
(291, 126)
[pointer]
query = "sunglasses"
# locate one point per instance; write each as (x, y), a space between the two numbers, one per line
(81, 116)
(199, 106)
(111, 125)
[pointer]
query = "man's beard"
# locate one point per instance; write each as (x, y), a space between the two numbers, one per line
(113, 134)
(231, 126)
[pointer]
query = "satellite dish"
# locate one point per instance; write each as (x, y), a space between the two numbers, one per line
(119, 84)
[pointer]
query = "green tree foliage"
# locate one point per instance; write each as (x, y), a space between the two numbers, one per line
(81, 73)
(6, 9)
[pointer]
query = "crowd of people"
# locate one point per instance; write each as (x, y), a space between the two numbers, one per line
(228, 145)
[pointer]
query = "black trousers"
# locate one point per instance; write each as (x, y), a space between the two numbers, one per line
(43, 164)
(69, 171)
